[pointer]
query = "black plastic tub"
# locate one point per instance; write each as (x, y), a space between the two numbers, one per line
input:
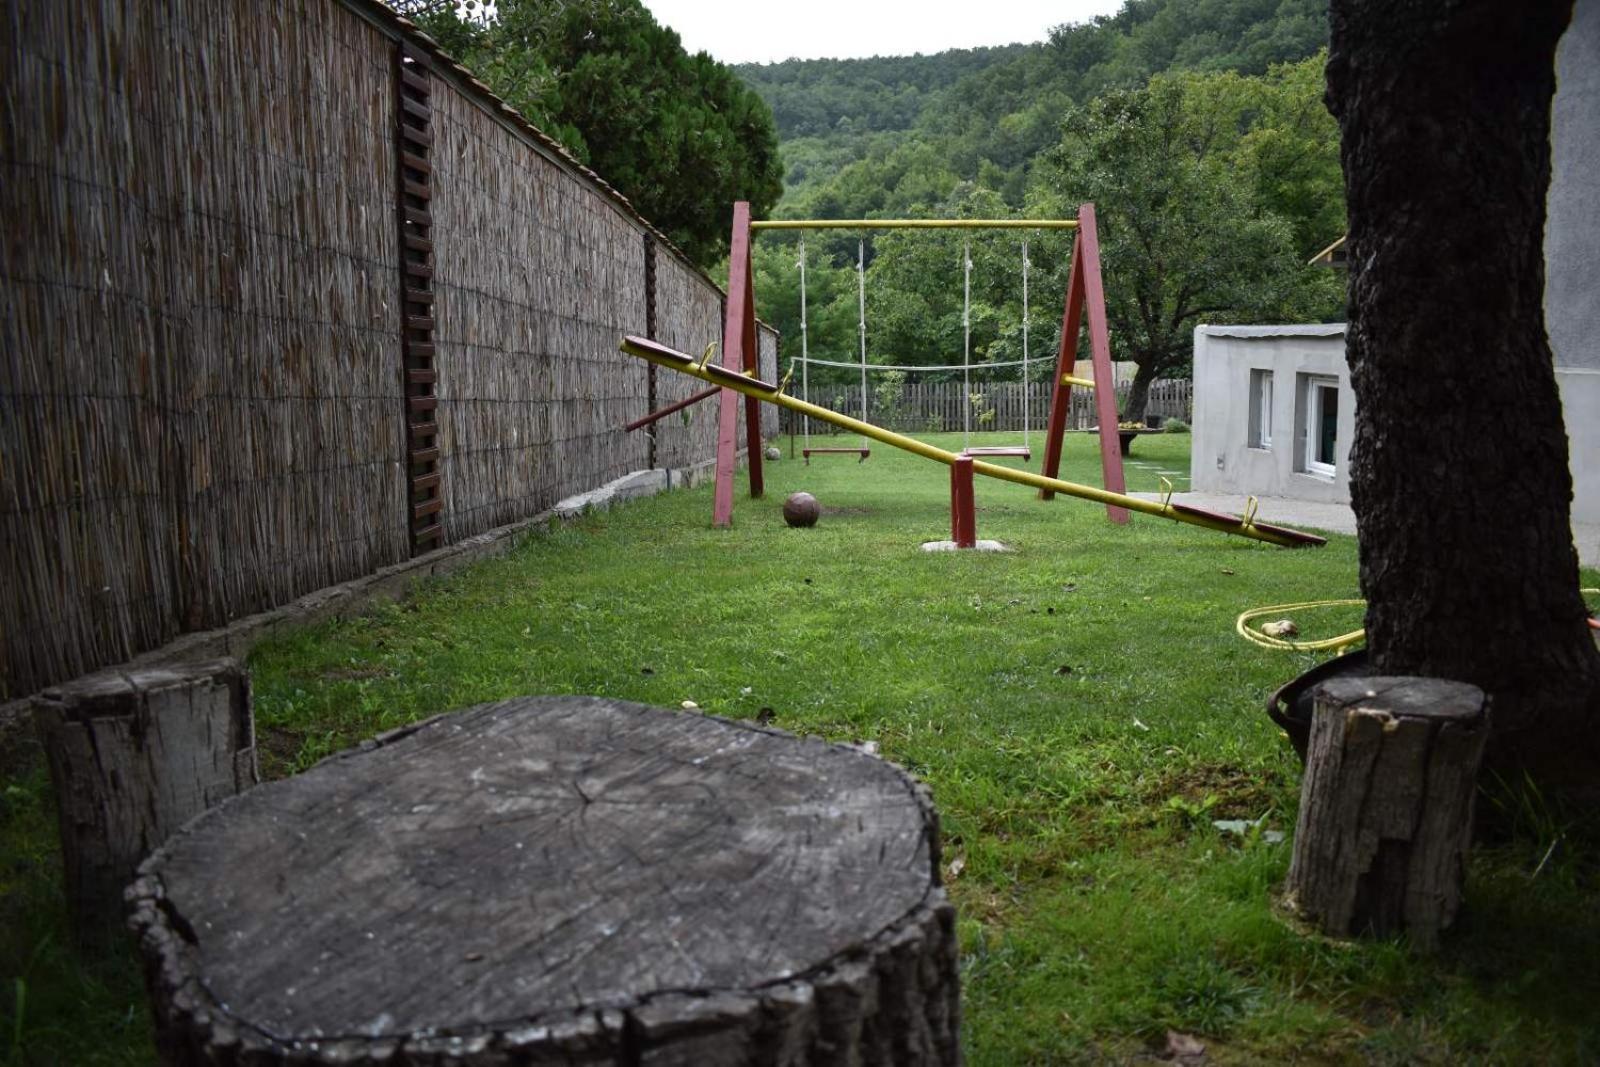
(1290, 707)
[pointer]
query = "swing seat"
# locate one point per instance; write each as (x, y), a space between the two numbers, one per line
(862, 452)
(999, 450)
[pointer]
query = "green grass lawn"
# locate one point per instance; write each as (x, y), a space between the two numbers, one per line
(1080, 706)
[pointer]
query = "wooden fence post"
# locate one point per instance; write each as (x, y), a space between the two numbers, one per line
(414, 206)
(133, 756)
(1386, 806)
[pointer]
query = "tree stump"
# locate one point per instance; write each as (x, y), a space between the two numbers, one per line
(133, 756)
(560, 880)
(1386, 806)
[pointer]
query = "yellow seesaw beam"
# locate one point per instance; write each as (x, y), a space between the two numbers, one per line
(706, 371)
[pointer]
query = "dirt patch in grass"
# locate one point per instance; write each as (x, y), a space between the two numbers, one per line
(276, 749)
(356, 673)
(1226, 792)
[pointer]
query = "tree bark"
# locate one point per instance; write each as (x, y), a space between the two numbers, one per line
(1139, 393)
(1386, 807)
(1459, 476)
(133, 756)
(560, 880)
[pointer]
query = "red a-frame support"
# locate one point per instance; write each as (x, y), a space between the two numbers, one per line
(1084, 288)
(741, 353)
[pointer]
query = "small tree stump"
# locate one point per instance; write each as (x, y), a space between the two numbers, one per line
(1386, 806)
(560, 880)
(133, 756)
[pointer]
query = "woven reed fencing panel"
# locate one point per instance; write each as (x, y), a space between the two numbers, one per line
(203, 408)
(688, 317)
(538, 277)
(767, 345)
(199, 413)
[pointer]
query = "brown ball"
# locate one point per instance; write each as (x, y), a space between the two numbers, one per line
(801, 509)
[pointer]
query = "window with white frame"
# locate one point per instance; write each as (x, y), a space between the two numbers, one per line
(1261, 409)
(1322, 425)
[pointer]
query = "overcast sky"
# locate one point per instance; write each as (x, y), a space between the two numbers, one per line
(759, 31)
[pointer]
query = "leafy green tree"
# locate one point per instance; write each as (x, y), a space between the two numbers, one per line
(680, 135)
(1178, 171)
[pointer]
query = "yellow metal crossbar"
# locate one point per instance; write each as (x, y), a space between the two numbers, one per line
(914, 224)
(1084, 383)
(672, 359)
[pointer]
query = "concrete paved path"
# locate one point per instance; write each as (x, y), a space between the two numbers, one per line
(1338, 518)
(1281, 511)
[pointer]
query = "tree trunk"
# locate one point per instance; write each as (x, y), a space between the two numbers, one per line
(133, 756)
(560, 880)
(1139, 393)
(1386, 807)
(1459, 476)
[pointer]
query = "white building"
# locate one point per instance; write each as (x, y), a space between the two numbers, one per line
(1572, 262)
(1273, 412)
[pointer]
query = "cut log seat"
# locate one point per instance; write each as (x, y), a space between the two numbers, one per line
(559, 880)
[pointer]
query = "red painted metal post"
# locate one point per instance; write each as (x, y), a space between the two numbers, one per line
(963, 513)
(688, 401)
(1066, 360)
(735, 334)
(1105, 386)
(752, 366)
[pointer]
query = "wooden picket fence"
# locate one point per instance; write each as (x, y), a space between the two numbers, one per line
(935, 407)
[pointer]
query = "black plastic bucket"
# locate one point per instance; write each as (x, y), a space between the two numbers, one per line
(1290, 707)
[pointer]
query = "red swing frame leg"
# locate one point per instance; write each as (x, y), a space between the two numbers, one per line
(1086, 291)
(963, 511)
(739, 352)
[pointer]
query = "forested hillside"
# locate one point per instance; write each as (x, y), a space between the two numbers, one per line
(1197, 126)
(990, 111)
(816, 97)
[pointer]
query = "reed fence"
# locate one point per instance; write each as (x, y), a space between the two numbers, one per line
(934, 407)
(203, 396)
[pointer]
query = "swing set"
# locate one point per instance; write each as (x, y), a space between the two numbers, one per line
(806, 362)
(739, 375)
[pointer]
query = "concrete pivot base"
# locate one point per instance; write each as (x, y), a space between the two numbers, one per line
(951, 546)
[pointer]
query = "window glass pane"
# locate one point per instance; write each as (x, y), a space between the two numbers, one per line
(1327, 428)
(1260, 409)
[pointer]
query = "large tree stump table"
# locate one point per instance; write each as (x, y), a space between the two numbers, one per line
(559, 880)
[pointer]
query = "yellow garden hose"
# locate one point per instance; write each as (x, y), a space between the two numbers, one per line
(1250, 633)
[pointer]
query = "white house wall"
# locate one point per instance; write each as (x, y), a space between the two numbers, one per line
(1572, 252)
(1222, 459)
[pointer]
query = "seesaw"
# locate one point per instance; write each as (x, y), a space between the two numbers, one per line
(771, 393)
